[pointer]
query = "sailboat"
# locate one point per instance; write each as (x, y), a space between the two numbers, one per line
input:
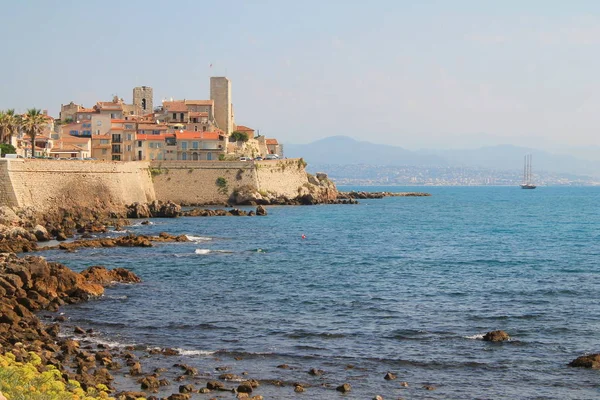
(527, 184)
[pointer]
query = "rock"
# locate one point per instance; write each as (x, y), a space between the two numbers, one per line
(589, 361)
(404, 384)
(298, 388)
(496, 336)
(138, 210)
(429, 387)
(149, 382)
(186, 389)
(345, 388)
(389, 376)
(204, 390)
(244, 388)
(8, 217)
(260, 210)
(283, 366)
(315, 372)
(179, 396)
(61, 236)
(130, 395)
(135, 369)
(377, 398)
(214, 385)
(78, 330)
(41, 234)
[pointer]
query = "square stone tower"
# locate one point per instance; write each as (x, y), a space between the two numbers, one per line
(142, 100)
(220, 93)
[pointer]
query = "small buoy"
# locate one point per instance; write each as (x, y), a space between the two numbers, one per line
(303, 236)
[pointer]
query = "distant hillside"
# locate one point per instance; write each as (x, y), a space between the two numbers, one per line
(343, 150)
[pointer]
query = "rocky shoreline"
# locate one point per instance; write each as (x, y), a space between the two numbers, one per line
(379, 195)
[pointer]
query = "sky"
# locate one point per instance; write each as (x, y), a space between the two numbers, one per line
(415, 74)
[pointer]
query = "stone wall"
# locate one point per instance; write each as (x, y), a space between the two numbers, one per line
(46, 184)
(206, 182)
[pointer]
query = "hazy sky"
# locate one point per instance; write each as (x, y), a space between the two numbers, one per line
(409, 73)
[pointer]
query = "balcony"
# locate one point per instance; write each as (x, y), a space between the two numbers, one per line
(117, 150)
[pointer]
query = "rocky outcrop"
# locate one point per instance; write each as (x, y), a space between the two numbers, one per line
(496, 336)
(379, 195)
(154, 209)
(588, 361)
(234, 212)
(123, 241)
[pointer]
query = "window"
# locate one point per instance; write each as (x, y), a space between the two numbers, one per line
(87, 133)
(74, 133)
(104, 151)
(144, 104)
(184, 145)
(184, 156)
(194, 120)
(113, 116)
(129, 136)
(174, 115)
(181, 116)
(87, 125)
(204, 129)
(156, 132)
(128, 147)
(104, 141)
(139, 143)
(195, 145)
(195, 128)
(128, 126)
(209, 156)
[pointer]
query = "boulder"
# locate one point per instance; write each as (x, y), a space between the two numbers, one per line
(8, 216)
(496, 336)
(589, 361)
(345, 388)
(260, 210)
(138, 210)
(41, 233)
(389, 376)
(244, 388)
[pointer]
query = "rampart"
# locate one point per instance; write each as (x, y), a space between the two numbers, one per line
(205, 182)
(45, 184)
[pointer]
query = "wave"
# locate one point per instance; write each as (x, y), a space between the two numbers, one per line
(478, 336)
(184, 352)
(114, 297)
(209, 251)
(198, 238)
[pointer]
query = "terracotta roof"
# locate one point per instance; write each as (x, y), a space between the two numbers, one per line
(73, 139)
(198, 114)
(187, 135)
(160, 137)
(86, 110)
(98, 137)
(199, 102)
(271, 141)
(175, 106)
(116, 121)
(66, 147)
(243, 128)
(116, 128)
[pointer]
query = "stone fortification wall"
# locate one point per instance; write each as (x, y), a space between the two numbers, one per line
(46, 184)
(212, 182)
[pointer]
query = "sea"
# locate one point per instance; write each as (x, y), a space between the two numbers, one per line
(407, 285)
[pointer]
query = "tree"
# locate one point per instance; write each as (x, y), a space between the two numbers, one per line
(7, 149)
(238, 136)
(9, 125)
(33, 124)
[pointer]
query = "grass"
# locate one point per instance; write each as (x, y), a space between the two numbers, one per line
(31, 381)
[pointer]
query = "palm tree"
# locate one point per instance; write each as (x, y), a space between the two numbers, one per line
(3, 127)
(33, 124)
(10, 125)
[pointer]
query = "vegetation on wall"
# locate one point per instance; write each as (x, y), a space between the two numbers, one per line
(221, 184)
(238, 136)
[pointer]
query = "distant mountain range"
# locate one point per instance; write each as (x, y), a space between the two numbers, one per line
(343, 150)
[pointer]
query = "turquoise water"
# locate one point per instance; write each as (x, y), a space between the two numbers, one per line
(406, 285)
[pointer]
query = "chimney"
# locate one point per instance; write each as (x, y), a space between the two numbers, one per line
(45, 112)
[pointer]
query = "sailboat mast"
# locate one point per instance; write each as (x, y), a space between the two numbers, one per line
(525, 169)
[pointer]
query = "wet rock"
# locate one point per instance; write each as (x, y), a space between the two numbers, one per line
(316, 372)
(179, 396)
(389, 376)
(345, 388)
(214, 385)
(149, 382)
(130, 395)
(283, 366)
(61, 236)
(299, 389)
(377, 398)
(79, 331)
(244, 388)
(186, 389)
(261, 211)
(204, 390)
(588, 361)
(41, 233)
(496, 336)
(136, 369)
(429, 387)
(404, 384)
